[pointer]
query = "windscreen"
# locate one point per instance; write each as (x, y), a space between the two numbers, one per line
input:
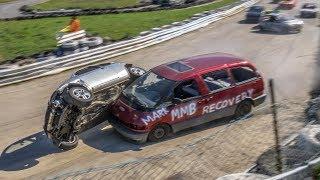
(149, 90)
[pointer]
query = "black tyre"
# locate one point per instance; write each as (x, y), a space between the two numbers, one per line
(136, 71)
(67, 145)
(243, 109)
(78, 95)
(159, 133)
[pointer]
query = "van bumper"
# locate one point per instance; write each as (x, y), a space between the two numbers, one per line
(259, 100)
(126, 132)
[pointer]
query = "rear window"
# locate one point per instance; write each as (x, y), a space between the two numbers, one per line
(242, 74)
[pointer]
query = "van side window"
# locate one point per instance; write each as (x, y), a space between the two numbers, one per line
(217, 80)
(187, 89)
(243, 74)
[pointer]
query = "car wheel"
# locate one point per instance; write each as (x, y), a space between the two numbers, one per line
(67, 145)
(243, 109)
(159, 133)
(136, 71)
(77, 95)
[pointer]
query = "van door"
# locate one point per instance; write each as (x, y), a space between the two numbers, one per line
(219, 100)
(188, 102)
(249, 83)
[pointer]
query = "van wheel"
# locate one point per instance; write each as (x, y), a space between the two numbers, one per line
(159, 133)
(243, 109)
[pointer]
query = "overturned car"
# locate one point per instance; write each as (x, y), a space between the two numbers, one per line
(80, 102)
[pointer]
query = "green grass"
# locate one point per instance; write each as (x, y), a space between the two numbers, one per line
(60, 4)
(31, 36)
(4, 1)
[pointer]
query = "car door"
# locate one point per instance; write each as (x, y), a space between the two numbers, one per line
(220, 86)
(187, 105)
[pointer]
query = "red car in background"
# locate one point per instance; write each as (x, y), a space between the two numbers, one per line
(185, 93)
(288, 4)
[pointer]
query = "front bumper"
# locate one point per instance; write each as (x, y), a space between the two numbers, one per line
(259, 100)
(126, 132)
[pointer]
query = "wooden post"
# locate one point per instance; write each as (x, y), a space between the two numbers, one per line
(275, 126)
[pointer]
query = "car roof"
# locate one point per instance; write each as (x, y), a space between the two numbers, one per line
(187, 68)
(309, 5)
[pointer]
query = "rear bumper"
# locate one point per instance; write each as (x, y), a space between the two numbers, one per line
(126, 132)
(259, 100)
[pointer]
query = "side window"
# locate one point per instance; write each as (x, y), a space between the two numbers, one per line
(217, 80)
(186, 89)
(243, 74)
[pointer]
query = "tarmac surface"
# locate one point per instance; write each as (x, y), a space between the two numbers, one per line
(11, 9)
(209, 151)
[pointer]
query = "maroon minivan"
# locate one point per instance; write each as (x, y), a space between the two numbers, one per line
(186, 93)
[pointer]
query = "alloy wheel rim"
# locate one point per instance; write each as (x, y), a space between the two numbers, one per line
(81, 94)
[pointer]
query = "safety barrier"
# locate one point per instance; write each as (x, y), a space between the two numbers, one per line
(71, 36)
(57, 65)
(301, 172)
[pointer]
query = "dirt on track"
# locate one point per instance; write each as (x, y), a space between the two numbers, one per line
(208, 151)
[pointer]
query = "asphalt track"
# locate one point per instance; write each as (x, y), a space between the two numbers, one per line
(11, 9)
(289, 59)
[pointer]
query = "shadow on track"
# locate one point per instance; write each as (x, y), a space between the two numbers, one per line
(244, 21)
(106, 139)
(257, 30)
(24, 153)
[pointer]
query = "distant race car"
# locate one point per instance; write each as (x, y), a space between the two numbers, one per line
(255, 13)
(186, 93)
(280, 23)
(80, 101)
(309, 10)
(287, 4)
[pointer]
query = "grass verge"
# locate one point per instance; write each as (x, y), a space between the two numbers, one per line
(60, 4)
(27, 37)
(4, 1)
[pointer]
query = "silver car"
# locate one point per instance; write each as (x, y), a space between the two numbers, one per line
(81, 101)
(309, 10)
(280, 23)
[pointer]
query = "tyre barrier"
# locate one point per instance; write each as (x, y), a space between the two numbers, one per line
(35, 14)
(91, 42)
(102, 53)
(72, 44)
